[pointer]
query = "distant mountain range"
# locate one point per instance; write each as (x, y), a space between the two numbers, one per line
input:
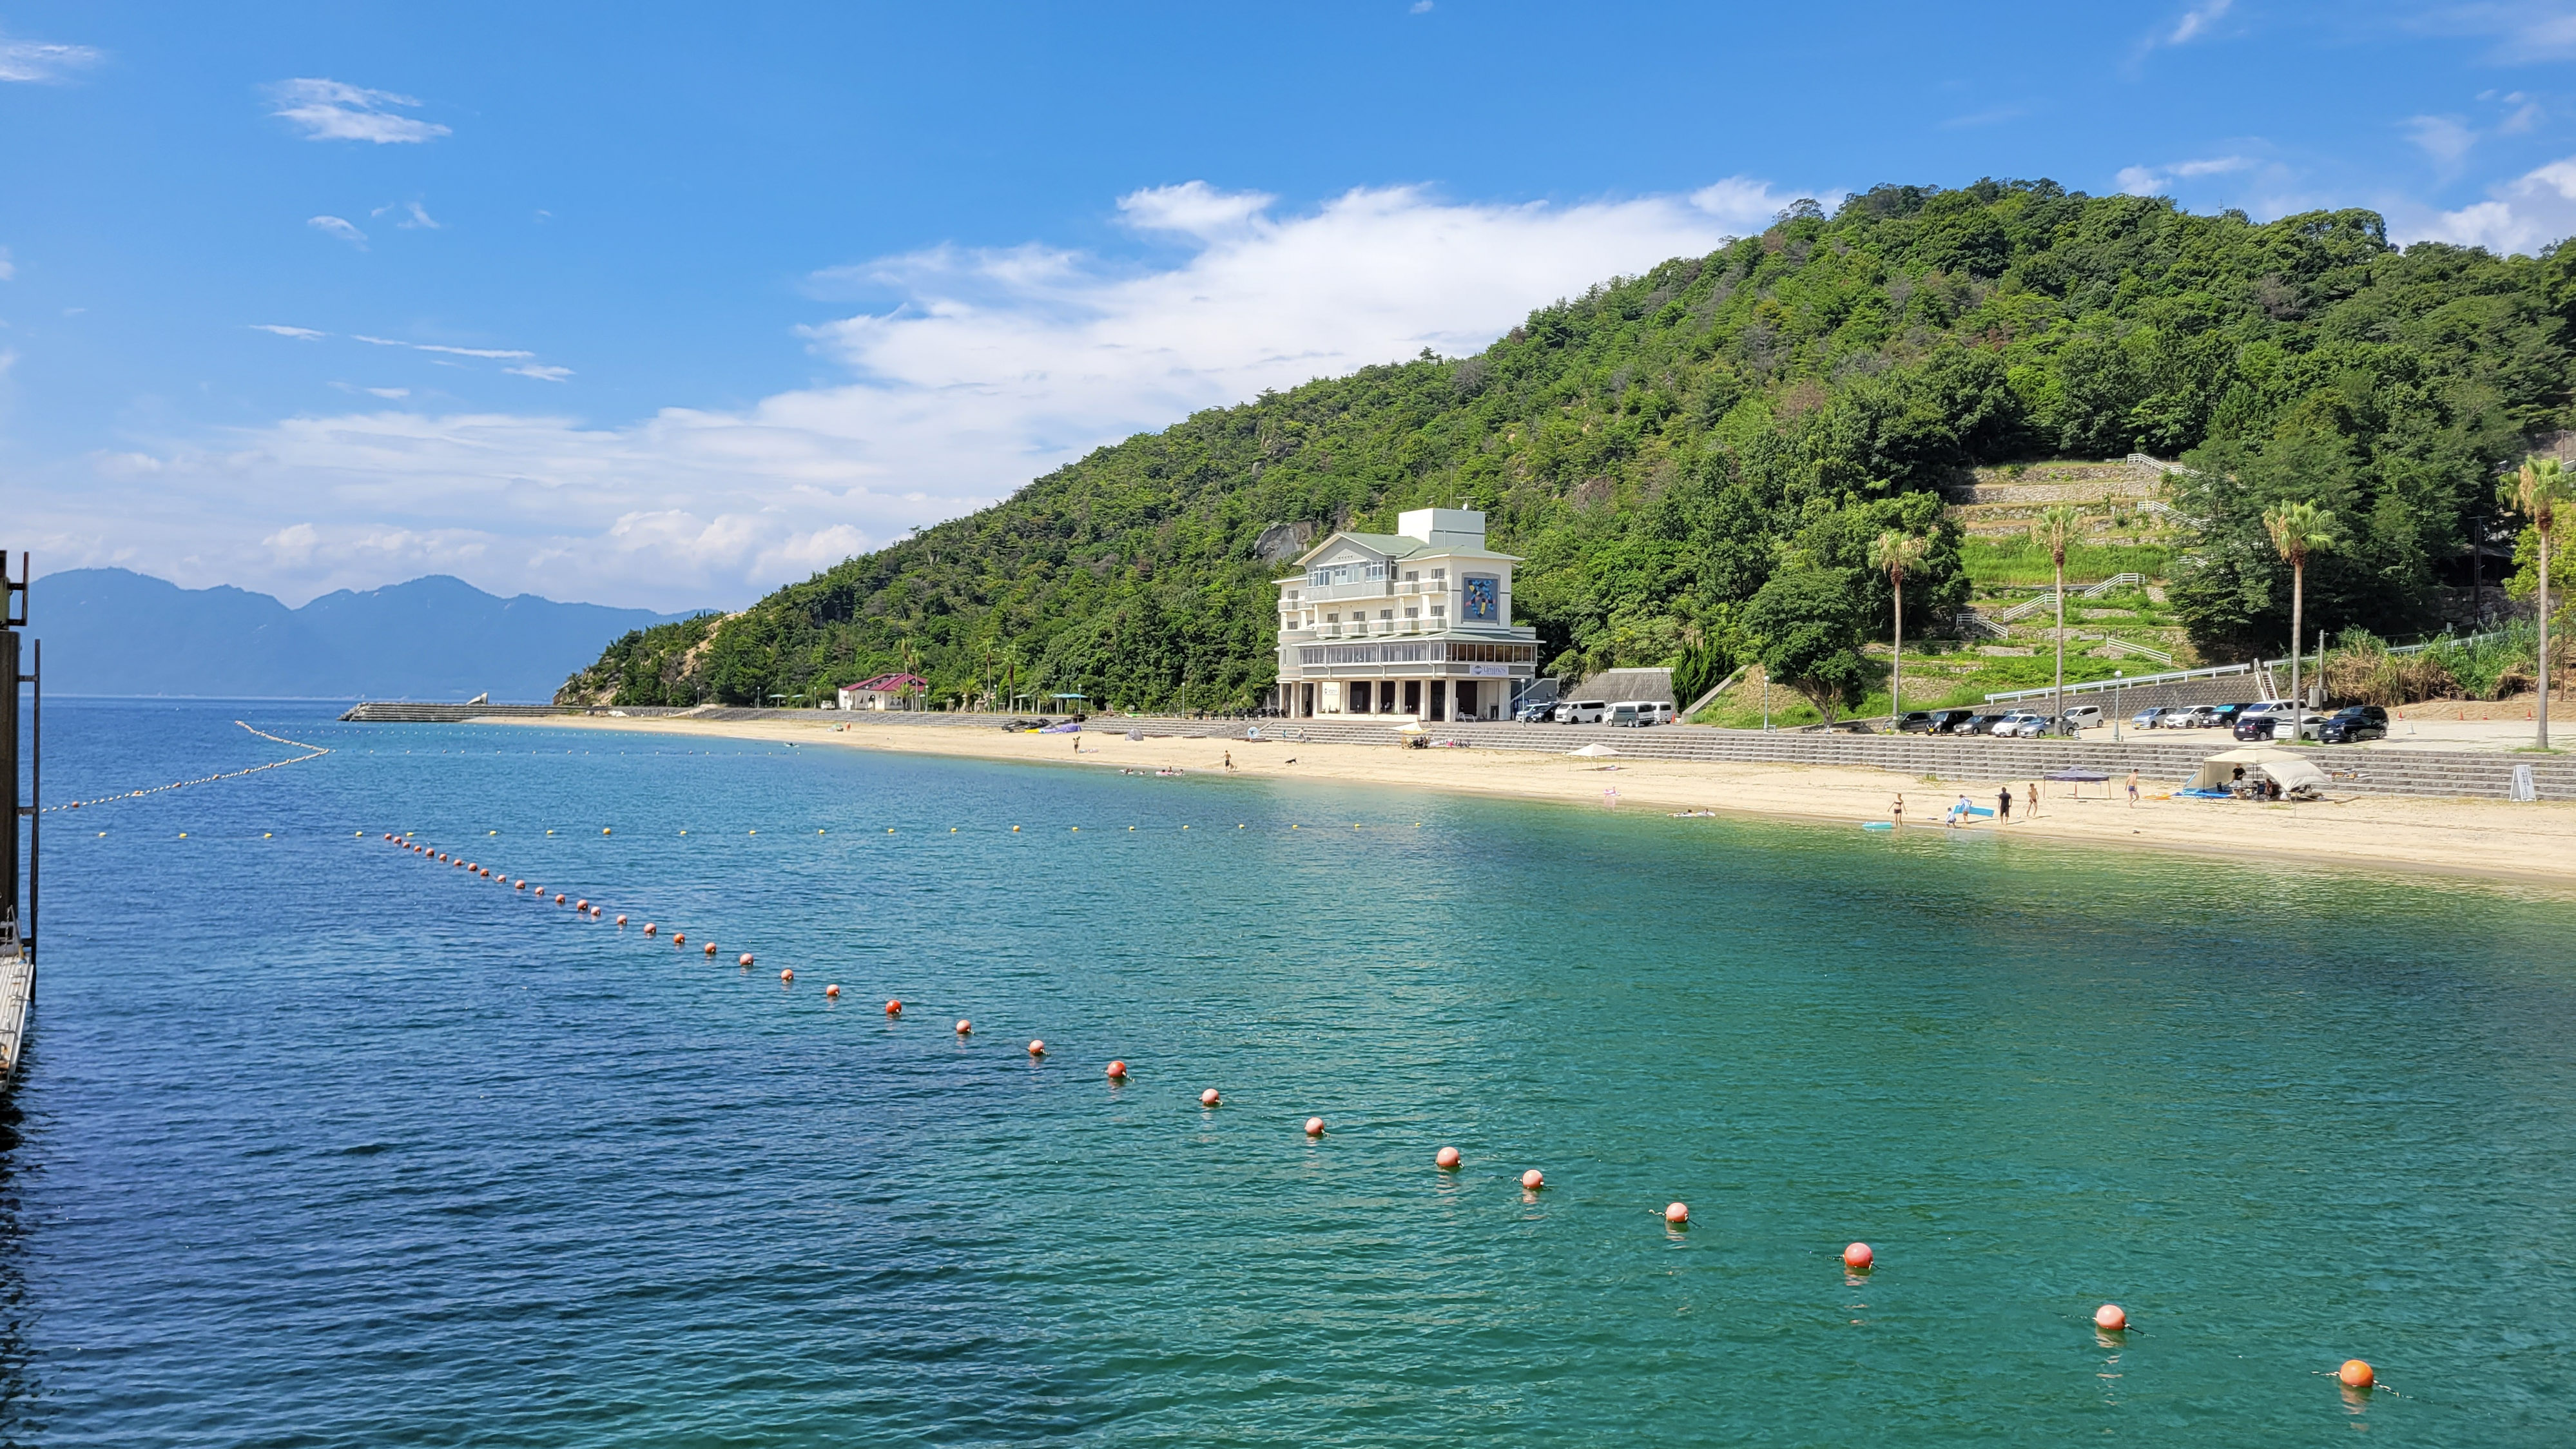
(114, 631)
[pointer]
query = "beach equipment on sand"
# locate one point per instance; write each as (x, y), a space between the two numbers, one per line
(2081, 778)
(2294, 772)
(1878, 825)
(1594, 751)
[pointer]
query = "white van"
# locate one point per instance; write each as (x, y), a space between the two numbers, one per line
(1649, 711)
(1625, 713)
(2082, 717)
(1582, 711)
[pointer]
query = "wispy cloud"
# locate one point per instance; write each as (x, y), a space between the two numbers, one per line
(2154, 180)
(300, 334)
(2526, 31)
(1420, 7)
(2444, 138)
(340, 227)
(540, 371)
(981, 369)
(408, 215)
(390, 392)
(41, 60)
(2197, 20)
(326, 110)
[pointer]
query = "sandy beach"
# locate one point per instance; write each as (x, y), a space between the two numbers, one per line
(2528, 842)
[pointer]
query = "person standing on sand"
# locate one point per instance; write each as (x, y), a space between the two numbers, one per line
(1896, 812)
(1229, 759)
(2032, 799)
(2133, 789)
(2003, 806)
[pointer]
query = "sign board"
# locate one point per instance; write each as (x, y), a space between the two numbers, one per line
(1480, 598)
(1489, 671)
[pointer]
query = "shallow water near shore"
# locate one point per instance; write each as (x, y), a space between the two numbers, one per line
(319, 1143)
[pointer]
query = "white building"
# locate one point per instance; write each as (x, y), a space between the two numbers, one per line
(1415, 623)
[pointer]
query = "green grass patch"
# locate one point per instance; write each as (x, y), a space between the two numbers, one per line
(2021, 562)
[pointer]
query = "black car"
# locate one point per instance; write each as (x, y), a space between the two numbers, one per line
(2353, 725)
(1947, 721)
(1919, 722)
(2224, 716)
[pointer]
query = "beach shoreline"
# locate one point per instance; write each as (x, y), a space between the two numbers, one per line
(2526, 843)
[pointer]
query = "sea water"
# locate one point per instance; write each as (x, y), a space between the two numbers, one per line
(320, 1143)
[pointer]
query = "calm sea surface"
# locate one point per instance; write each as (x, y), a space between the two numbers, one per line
(321, 1144)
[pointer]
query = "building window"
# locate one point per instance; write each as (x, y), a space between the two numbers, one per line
(1413, 576)
(1438, 610)
(1386, 613)
(1413, 613)
(1438, 574)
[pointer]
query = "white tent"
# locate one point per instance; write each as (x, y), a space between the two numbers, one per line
(1595, 751)
(2290, 768)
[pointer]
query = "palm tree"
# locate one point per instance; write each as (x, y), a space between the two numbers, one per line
(1897, 554)
(2298, 529)
(2537, 491)
(2055, 529)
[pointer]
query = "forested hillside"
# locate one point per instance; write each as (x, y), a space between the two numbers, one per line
(1666, 445)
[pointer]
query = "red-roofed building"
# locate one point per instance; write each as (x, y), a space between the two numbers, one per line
(887, 691)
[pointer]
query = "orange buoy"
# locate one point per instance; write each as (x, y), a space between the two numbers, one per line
(1117, 1071)
(1858, 1257)
(894, 1008)
(1447, 1159)
(679, 938)
(1209, 1098)
(582, 904)
(965, 1027)
(789, 974)
(746, 958)
(711, 948)
(833, 990)
(1677, 1213)
(1037, 1048)
(621, 920)
(559, 898)
(1314, 1126)
(2356, 1374)
(650, 928)
(2110, 1318)
(1533, 1180)
(519, 885)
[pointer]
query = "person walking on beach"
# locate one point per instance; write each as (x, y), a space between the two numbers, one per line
(1896, 812)
(1959, 812)
(2003, 806)
(1229, 759)
(2032, 799)
(2133, 789)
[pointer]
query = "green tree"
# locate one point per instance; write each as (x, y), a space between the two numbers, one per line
(2298, 530)
(1893, 553)
(2056, 529)
(2537, 491)
(1808, 635)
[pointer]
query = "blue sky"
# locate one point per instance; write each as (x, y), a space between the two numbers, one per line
(666, 306)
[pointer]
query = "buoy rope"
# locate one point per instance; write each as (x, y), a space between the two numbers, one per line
(317, 752)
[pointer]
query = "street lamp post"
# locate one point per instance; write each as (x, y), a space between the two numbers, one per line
(2119, 700)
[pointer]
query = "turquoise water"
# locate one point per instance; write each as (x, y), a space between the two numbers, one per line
(321, 1144)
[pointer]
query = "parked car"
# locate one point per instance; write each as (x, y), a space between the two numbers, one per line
(1916, 722)
(1948, 721)
(2149, 718)
(2197, 717)
(2021, 724)
(2350, 726)
(1582, 711)
(2258, 721)
(2082, 717)
(1634, 713)
(1536, 713)
(1983, 724)
(2224, 716)
(1663, 709)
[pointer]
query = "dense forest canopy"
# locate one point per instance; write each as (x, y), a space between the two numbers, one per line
(1664, 446)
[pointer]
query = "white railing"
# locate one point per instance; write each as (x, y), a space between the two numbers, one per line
(2115, 581)
(2119, 647)
(1362, 589)
(1969, 621)
(2099, 686)
(2028, 607)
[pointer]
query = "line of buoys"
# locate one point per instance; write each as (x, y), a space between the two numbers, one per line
(317, 753)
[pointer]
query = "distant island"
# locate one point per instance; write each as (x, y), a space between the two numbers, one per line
(114, 631)
(1695, 458)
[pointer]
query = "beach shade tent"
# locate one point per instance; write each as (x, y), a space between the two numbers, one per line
(2290, 769)
(1409, 727)
(2081, 778)
(1594, 751)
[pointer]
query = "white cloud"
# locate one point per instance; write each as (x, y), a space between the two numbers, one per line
(2154, 180)
(988, 368)
(540, 371)
(2523, 215)
(38, 60)
(2444, 138)
(340, 227)
(411, 216)
(2197, 20)
(327, 110)
(1420, 7)
(300, 334)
